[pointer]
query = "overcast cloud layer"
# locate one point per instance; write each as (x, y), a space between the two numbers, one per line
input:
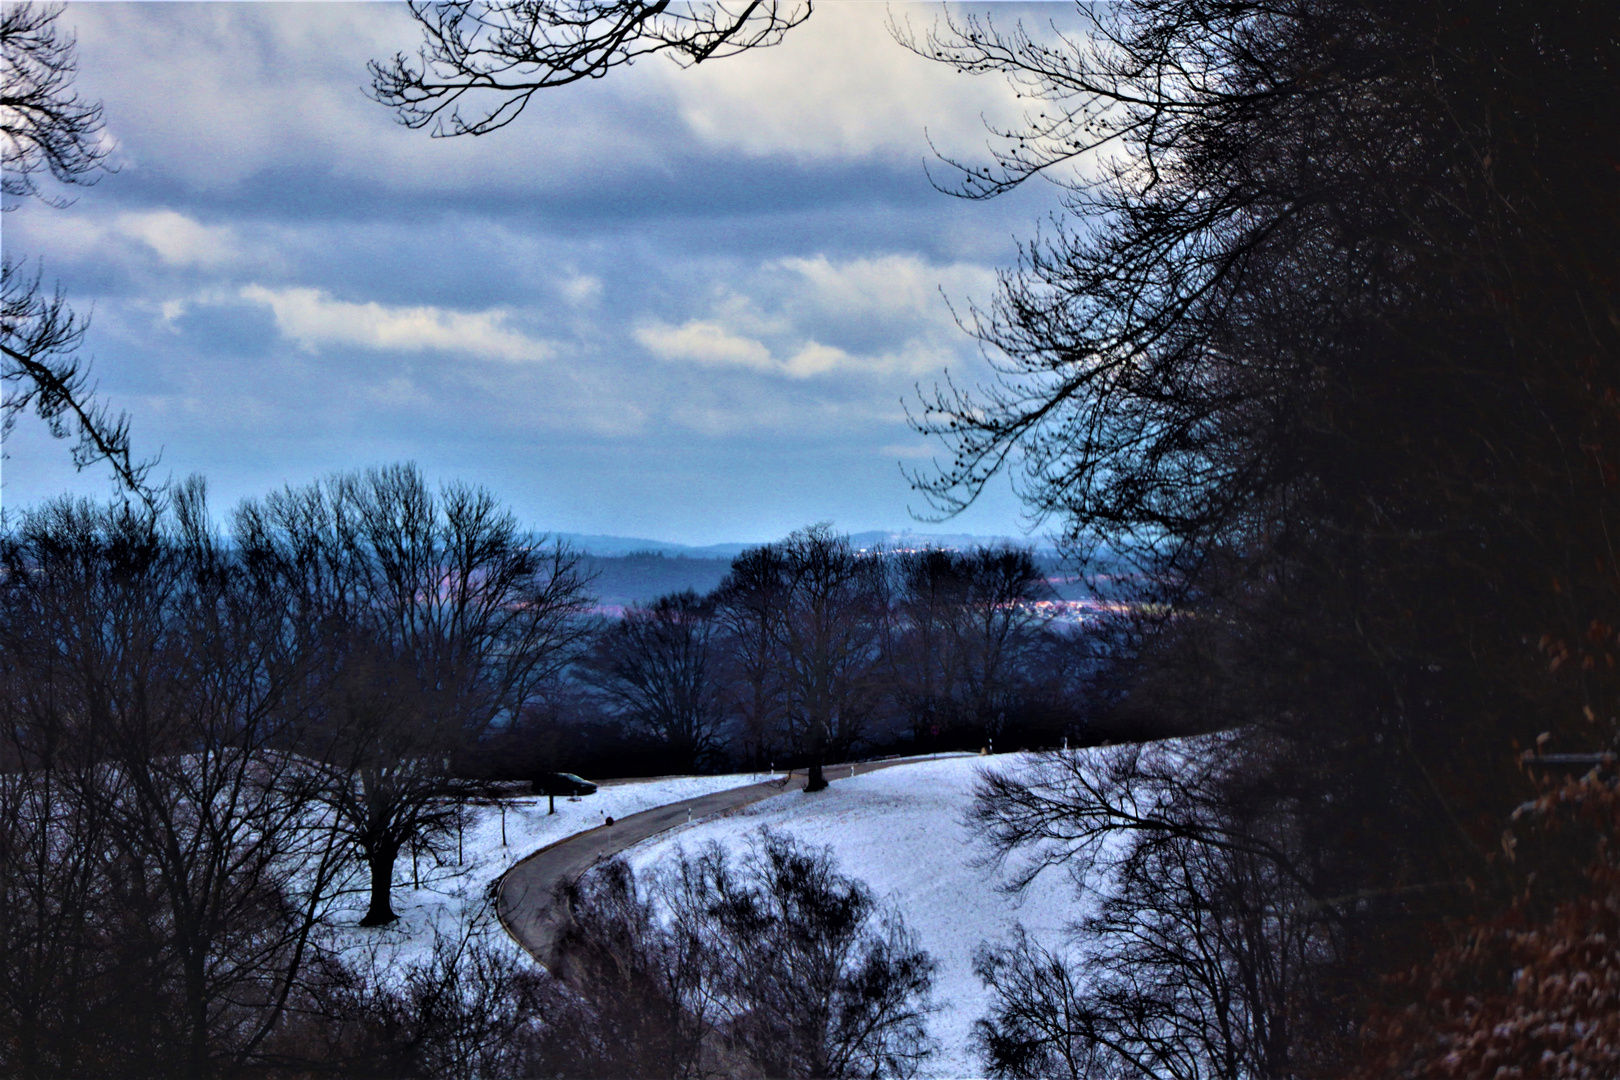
(677, 304)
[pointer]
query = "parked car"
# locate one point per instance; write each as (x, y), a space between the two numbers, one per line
(562, 783)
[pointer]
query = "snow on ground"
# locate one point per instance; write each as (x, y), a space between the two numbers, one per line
(452, 896)
(902, 831)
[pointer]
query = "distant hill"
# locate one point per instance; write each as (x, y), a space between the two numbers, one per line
(643, 576)
(908, 538)
(598, 544)
(631, 571)
(604, 545)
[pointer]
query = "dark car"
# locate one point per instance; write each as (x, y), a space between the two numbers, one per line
(562, 783)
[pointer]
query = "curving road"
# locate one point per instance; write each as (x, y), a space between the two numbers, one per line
(525, 896)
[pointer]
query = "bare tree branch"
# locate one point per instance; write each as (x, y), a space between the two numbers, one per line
(40, 338)
(46, 127)
(498, 53)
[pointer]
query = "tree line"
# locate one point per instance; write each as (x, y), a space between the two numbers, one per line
(811, 651)
(208, 734)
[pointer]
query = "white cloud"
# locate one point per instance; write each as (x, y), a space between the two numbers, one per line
(132, 239)
(841, 87)
(313, 318)
(706, 343)
(278, 86)
(710, 344)
(890, 285)
(814, 358)
(180, 241)
(581, 289)
(892, 302)
(743, 315)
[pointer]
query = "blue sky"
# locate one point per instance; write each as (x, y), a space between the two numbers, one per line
(681, 304)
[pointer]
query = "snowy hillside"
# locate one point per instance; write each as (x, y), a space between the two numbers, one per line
(901, 831)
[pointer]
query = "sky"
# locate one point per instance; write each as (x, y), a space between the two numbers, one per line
(683, 304)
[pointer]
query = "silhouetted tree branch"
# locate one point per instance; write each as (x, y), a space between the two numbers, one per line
(47, 127)
(772, 963)
(498, 53)
(44, 123)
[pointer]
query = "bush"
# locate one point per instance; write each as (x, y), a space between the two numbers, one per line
(772, 964)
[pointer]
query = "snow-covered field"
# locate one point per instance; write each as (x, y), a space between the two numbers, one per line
(901, 830)
(455, 894)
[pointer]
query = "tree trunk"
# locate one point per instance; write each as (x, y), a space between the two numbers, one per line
(818, 750)
(381, 861)
(197, 1058)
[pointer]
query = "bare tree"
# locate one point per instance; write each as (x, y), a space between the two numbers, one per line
(1276, 353)
(498, 53)
(1036, 1028)
(46, 127)
(771, 964)
(924, 656)
(967, 625)
(830, 635)
(167, 868)
(439, 622)
(648, 985)
(1220, 938)
(748, 607)
(471, 1009)
(820, 980)
(657, 667)
(806, 619)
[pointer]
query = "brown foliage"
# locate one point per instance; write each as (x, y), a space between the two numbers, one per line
(1535, 992)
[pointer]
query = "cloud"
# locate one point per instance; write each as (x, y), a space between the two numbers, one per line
(814, 358)
(813, 316)
(705, 343)
(180, 241)
(895, 285)
(710, 344)
(177, 240)
(313, 318)
(218, 94)
(840, 87)
(581, 289)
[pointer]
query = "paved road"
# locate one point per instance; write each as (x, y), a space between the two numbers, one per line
(525, 898)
